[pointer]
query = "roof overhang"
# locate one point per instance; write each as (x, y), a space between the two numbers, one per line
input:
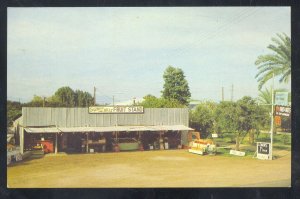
(106, 129)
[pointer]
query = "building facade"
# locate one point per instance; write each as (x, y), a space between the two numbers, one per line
(80, 130)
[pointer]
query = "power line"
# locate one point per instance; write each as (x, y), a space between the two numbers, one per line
(242, 15)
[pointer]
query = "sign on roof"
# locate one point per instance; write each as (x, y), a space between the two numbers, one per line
(116, 109)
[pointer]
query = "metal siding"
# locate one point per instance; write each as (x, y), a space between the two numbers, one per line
(76, 117)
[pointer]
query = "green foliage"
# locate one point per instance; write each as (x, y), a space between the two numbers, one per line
(239, 117)
(176, 87)
(151, 101)
(226, 116)
(286, 123)
(83, 99)
(36, 101)
(14, 111)
(66, 96)
(286, 139)
(249, 114)
(202, 118)
(63, 97)
(279, 62)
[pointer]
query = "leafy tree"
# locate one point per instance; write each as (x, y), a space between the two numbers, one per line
(83, 99)
(226, 117)
(251, 116)
(53, 101)
(66, 96)
(176, 87)
(202, 118)
(151, 101)
(239, 117)
(14, 111)
(279, 62)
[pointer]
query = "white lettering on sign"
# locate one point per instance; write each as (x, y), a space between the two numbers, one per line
(116, 109)
(263, 150)
(283, 110)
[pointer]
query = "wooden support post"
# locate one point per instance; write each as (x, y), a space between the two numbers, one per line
(55, 143)
(22, 140)
(87, 142)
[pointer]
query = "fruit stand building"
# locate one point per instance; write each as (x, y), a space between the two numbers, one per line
(96, 129)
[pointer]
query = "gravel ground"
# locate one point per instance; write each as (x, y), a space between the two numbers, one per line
(169, 168)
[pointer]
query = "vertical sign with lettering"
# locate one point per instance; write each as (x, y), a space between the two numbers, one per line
(263, 150)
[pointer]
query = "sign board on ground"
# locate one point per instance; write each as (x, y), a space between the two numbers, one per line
(238, 153)
(214, 135)
(283, 110)
(281, 98)
(116, 109)
(263, 150)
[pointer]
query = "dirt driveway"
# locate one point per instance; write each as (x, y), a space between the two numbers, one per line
(172, 168)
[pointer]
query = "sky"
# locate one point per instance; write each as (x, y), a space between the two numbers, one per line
(123, 52)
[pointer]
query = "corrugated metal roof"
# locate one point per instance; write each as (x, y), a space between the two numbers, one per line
(108, 129)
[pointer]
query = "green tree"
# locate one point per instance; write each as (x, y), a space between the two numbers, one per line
(151, 101)
(53, 101)
(66, 96)
(83, 99)
(239, 117)
(202, 118)
(226, 117)
(279, 62)
(36, 101)
(14, 111)
(251, 117)
(176, 87)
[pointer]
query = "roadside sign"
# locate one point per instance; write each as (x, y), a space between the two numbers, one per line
(238, 153)
(278, 120)
(281, 98)
(282, 110)
(214, 135)
(263, 150)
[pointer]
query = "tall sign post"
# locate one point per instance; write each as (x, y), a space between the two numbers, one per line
(272, 121)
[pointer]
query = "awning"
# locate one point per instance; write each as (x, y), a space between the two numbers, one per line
(107, 129)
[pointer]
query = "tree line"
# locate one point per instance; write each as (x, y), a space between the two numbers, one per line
(63, 97)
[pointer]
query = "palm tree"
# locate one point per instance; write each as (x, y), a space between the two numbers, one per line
(278, 63)
(265, 97)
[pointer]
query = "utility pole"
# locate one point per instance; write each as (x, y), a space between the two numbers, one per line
(232, 92)
(222, 93)
(44, 101)
(94, 95)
